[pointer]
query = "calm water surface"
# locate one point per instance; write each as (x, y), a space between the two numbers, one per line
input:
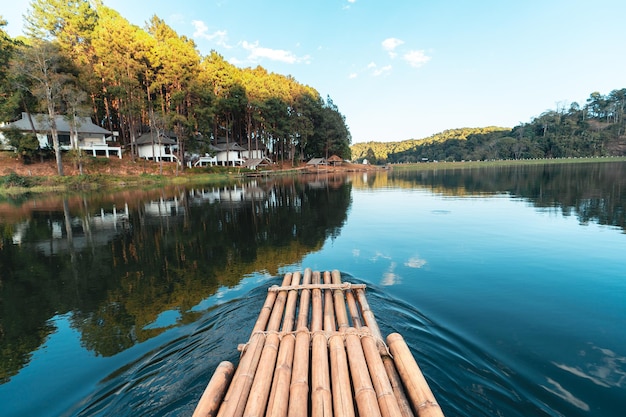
(509, 285)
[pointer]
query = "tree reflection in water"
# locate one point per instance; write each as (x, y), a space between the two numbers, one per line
(116, 262)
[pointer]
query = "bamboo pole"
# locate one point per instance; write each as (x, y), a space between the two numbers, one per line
(344, 286)
(214, 393)
(290, 306)
(237, 395)
(279, 306)
(305, 296)
(340, 378)
(340, 373)
(384, 391)
(316, 298)
(364, 394)
(340, 303)
(299, 386)
(265, 312)
(299, 389)
(321, 398)
(417, 388)
(354, 309)
(329, 310)
(368, 315)
(392, 373)
(279, 394)
(259, 391)
(396, 385)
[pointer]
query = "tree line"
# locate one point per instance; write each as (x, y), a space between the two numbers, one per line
(82, 58)
(596, 128)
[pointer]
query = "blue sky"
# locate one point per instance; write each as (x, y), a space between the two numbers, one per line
(411, 68)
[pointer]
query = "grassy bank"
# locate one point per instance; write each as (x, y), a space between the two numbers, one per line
(14, 184)
(117, 175)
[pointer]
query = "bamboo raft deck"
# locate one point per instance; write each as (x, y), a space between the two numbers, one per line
(316, 350)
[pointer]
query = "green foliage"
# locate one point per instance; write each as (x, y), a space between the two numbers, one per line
(383, 150)
(15, 180)
(596, 129)
(25, 145)
(152, 78)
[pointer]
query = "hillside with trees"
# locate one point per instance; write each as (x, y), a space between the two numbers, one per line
(597, 128)
(82, 58)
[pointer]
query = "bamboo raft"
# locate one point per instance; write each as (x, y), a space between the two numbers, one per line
(316, 350)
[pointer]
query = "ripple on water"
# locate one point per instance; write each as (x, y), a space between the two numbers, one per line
(467, 379)
(169, 380)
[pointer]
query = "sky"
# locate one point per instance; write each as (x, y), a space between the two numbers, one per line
(408, 69)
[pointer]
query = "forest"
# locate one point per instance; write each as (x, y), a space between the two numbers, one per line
(597, 128)
(81, 58)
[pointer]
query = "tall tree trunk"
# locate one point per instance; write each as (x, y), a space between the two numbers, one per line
(55, 135)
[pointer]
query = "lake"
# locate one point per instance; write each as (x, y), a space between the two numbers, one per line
(508, 283)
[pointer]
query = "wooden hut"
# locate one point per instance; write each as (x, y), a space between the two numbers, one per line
(317, 350)
(335, 161)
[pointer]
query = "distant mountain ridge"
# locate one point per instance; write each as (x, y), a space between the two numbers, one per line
(596, 129)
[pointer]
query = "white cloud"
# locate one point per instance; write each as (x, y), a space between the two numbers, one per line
(350, 3)
(257, 52)
(390, 277)
(376, 71)
(379, 255)
(352, 75)
(390, 45)
(202, 31)
(416, 58)
(415, 262)
(382, 71)
(561, 392)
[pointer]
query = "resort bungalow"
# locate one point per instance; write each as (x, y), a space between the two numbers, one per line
(88, 136)
(259, 152)
(228, 154)
(155, 147)
(206, 160)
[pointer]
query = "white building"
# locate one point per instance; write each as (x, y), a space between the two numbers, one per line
(88, 136)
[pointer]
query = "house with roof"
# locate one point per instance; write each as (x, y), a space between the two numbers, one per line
(88, 136)
(335, 161)
(155, 146)
(316, 162)
(206, 160)
(254, 163)
(228, 153)
(234, 154)
(259, 151)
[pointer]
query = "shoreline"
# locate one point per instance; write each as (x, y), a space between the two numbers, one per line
(18, 179)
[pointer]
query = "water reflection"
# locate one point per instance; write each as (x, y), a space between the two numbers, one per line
(593, 192)
(125, 267)
(603, 367)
